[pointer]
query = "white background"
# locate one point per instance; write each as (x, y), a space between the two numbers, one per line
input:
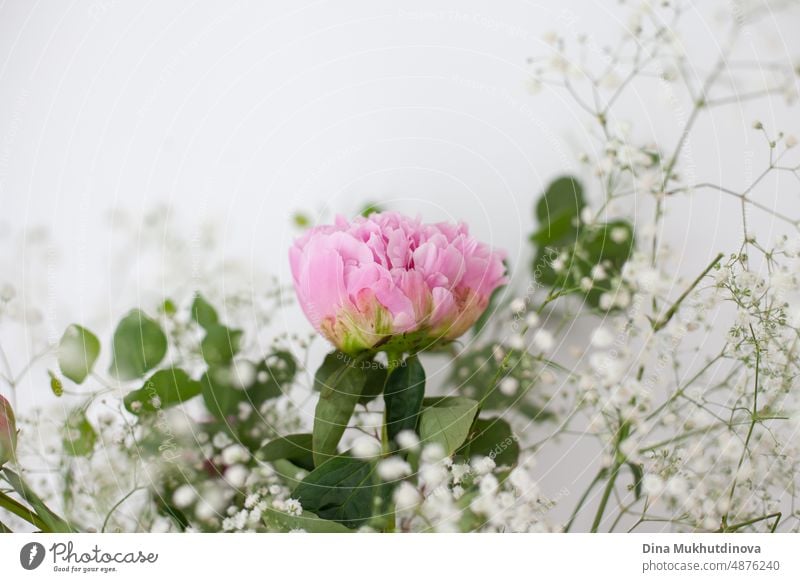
(241, 113)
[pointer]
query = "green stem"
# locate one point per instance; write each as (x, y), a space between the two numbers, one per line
(732, 528)
(393, 362)
(606, 495)
(583, 499)
(663, 321)
(23, 512)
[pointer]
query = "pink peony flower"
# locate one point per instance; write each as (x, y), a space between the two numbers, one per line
(393, 282)
(8, 432)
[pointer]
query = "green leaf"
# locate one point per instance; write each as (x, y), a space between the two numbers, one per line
(563, 197)
(139, 346)
(53, 521)
(447, 421)
(375, 373)
(339, 394)
(403, 394)
(220, 395)
(638, 477)
(289, 473)
(282, 522)
(331, 365)
(203, 313)
(163, 389)
(296, 448)
(168, 307)
(492, 437)
(301, 220)
(273, 377)
(370, 208)
(78, 437)
(342, 489)
(220, 344)
(77, 353)
(170, 511)
(56, 385)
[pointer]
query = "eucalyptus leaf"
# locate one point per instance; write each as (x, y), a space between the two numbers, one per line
(139, 345)
(562, 197)
(203, 313)
(77, 353)
(220, 395)
(78, 436)
(220, 344)
(163, 389)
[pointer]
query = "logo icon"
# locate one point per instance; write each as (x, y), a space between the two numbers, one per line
(31, 555)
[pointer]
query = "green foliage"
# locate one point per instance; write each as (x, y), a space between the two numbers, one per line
(278, 521)
(139, 345)
(220, 394)
(340, 383)
(301, 220)
(56, 385)
(403, 394)
(475, 374)
(78, 436)
(162, 390)
(203, 313)
(577, 247)
(77, 353)
(370, 208)
(447, 421)
(296, 448)
(561, 201)
(342, 489)
(376, 375)
(273, 375)
(492, 437)
(220, 344)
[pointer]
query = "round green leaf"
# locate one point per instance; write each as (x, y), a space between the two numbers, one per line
(77, 353)
(447, 421)
(139, 345)
(163, 389)
(79, 437)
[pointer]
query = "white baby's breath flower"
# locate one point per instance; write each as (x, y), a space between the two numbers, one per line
(366, 447)
(508, 386)
(543, 340)
(184, 496)
(482, 465)
(433, 453)
(393, 468)
(601, 338)
(407, 439)
(235, 454)
(293, 507)
(516, 342)
(406, 497)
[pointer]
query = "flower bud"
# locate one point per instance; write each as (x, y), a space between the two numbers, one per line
(8, 432)
(390, 282)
